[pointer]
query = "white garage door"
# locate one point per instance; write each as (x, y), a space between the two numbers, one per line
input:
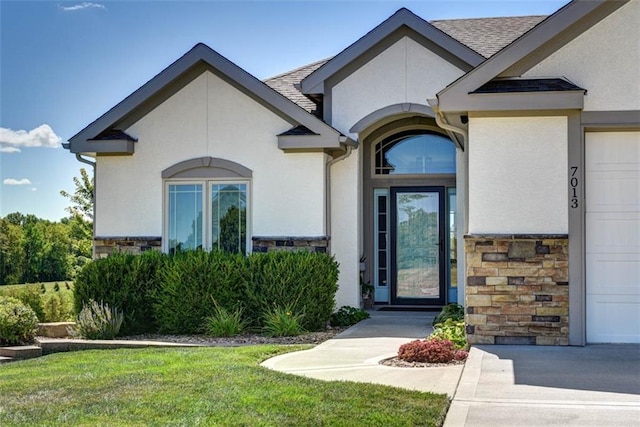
(612, 171)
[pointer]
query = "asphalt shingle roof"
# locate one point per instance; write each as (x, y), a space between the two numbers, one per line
(527, 85)
(484, 35)
(286, 83)
(488, 35)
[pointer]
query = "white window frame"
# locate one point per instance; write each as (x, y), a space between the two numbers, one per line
(207, 186)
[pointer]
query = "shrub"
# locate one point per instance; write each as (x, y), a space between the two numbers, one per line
(17, 322)
(433, 350)
(57, 308)
(451, 330)
(188, 283)
(461, 355)
(283, 322)
(224, 323)
(125, 281)
(450, 311)
(30, 296)
(162, 293)
(348, 316)
(98, 321)
(305, 281)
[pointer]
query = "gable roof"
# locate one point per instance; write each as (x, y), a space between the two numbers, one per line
(528, 50)
(443, 44)
(199, 59)
(486, 36)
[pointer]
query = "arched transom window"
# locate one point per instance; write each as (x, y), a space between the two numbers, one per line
(415, 152)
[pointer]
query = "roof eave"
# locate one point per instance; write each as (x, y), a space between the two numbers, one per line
(115, 147)
(514, 101)
(544, 39)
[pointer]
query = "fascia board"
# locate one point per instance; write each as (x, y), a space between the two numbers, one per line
(516, 51)
(203, 53)
(117, 147)
(314, 82)
(515, 101)
(303, 142)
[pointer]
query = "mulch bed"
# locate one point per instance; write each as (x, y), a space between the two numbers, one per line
(397, 363)
(248, 339)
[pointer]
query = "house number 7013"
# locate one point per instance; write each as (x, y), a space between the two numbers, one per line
(573, 182)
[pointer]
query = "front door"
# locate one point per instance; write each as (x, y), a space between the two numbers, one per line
(417, 245)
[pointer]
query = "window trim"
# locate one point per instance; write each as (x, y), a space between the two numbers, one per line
(207, 185)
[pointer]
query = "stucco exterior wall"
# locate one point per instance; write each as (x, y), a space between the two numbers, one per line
(209, 117)
(345, 227)
(404, 72)
(518, 175)
(605, 60)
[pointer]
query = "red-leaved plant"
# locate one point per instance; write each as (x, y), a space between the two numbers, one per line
(434, 350)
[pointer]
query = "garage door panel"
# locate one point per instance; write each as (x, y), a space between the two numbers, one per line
(613, 274)
(613, 232)
(612, 242)
(600, 156)
(612, 321)
(613, 192)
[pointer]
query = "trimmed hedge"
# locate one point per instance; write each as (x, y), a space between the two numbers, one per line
(190, 283)
(125, 281)
(305, 281)
(175, 294)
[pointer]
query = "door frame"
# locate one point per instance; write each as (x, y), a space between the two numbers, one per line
(442, 246)
(371, 181)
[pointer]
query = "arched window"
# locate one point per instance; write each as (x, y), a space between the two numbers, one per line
(207, 205)
(415, 152)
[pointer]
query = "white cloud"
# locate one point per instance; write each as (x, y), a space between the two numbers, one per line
(34, 189)
(83, 5)
(42, 136)
(9, 150)
(11, 181)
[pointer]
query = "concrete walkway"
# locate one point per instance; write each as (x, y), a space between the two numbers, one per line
(596, 385)
(354, 355)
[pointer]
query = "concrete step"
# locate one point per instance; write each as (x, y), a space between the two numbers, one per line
(6, 359)
(21, 352)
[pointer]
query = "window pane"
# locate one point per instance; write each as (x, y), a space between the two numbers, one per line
(185, 217)
(428, 153)
(229, 217)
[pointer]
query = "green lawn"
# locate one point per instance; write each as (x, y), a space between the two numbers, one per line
(48, 286)
(196, 386)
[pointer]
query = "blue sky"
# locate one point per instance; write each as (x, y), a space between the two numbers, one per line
(65, 63)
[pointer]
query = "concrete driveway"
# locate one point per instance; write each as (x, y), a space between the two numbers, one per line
(596, 385)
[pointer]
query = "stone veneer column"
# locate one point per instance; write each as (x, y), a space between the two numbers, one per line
(517, 289)
(288, 243)
(105, 246)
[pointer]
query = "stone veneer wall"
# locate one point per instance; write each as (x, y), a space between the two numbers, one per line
(285, 243)
(517, 289)
(105, 246)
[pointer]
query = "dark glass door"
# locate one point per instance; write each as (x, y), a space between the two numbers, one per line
(417, 245)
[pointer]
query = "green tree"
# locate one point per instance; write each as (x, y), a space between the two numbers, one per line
(33, 245)
(11, 252)
(80, 222)
(82, 198)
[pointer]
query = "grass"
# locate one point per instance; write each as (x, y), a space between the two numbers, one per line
(48, 286)
(55, 306)
(196, 386)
